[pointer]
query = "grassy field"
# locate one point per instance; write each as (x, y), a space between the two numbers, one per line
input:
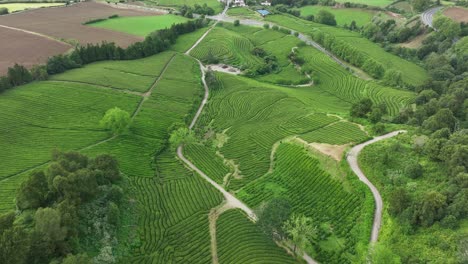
(243, 12)
(379, 3)
(342, 15)
(178, 3)
(411, 73)
(141, 25)
(14, 7)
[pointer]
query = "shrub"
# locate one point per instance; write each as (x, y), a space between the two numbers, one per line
(39, 73)
(361, 108)
(266, 26)
(414, 170)
(3, 11)
(113, 16)
(92, 21)
(236, 22)
(326, 17)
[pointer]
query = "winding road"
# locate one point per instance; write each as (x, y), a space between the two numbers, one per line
(428, 16)
(352, 158)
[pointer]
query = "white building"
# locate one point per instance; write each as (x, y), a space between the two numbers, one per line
(240, 3)
(266, 3)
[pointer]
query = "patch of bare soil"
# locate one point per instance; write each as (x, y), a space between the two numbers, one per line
(26, 49)
(66, 22)
(415, 42)
(224, 68)
(333, 151)
(458, 14)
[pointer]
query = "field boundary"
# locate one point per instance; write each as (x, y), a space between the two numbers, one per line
(36, 34)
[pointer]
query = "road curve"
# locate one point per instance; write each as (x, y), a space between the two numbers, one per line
(428, 16)
(352, 158)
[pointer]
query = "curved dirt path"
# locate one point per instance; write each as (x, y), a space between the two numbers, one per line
(428, 16)
(37, 34)
(352, 158)
(231, 200)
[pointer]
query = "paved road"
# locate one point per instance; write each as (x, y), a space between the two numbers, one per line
(428, 16)
(352, 157)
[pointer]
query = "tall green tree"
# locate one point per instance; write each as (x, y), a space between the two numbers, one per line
(181, 136)
(301, 230)
(272, 217)
(116, 120)
(326, 17)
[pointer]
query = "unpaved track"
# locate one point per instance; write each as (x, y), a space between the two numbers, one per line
(352, 158)
(231, 200)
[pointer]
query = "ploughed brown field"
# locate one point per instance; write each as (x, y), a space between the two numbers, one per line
(61, 23)
(457, 13)
(26, 49)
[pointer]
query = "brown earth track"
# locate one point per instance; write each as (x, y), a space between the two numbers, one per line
(66, 22)
(26, 49)
(457, 13)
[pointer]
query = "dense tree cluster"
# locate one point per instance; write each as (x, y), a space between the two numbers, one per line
(387, 31)
(276, 221)
(71, 205)
(365, 108)
(270, 63)
(188, 11)
(19, 75)
(155, 43)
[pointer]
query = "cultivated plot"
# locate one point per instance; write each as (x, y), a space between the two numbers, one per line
(52, 21)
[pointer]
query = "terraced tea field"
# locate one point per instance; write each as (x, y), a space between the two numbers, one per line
(411, 73)
(240, 241)
(299, 177)
(248, 140)
(229, 47)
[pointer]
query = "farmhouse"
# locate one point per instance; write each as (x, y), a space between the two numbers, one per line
(266, 3)
(239, 3)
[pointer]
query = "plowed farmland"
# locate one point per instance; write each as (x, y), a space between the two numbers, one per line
(26, 49)
(52, 21)
(31, 39)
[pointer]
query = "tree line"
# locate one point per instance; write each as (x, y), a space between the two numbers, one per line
(349, 53)
(63, 210)
(154, 43)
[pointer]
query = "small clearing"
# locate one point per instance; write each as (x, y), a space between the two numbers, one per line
(458, 14)
(333, 151)
(224, 68)
(415, 42)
